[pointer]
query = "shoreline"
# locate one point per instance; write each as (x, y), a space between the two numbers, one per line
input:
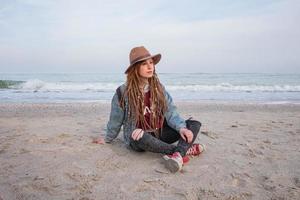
(192, 101)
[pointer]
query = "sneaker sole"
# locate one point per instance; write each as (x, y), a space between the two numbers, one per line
(172, 165)
(203, 149)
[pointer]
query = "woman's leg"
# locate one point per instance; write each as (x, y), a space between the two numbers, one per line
(194, 126)
(163, 143)
(170, 135)
(152, 144)
(160, 145)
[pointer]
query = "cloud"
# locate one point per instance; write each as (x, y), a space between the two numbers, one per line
(97, 35)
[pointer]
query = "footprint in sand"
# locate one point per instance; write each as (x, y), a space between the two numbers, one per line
(267, 141)
(158, 182)
(267, 183)
(213, 194)
(22, 151)
(238, 180)
(296, 181)
(210, 134)
(254, 153)
(209, 194)
(82, 182)
(64, 135)
(292, 133)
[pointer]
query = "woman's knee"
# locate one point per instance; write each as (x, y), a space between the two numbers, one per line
(135, 146)
(193, 125)
(140, 145)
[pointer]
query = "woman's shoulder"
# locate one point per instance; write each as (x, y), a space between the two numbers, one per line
(120, 90)
(163, 87)
(122, 87)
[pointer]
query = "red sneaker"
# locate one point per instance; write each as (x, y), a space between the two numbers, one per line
(185, 160)
(173, 162)
(195, 149)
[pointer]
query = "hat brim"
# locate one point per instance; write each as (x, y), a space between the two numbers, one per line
(156, 58)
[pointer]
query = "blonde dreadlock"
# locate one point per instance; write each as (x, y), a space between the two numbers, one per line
(136, 98)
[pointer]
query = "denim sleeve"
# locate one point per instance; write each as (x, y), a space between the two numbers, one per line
(173, 118)
(115, 120)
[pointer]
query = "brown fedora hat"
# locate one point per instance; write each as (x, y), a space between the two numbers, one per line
(138, 54)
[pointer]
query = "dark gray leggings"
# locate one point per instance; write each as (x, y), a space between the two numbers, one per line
(163, 144)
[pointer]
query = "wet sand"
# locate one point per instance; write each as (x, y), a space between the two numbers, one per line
(46, 152)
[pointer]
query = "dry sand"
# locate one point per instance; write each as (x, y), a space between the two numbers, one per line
(46, 152)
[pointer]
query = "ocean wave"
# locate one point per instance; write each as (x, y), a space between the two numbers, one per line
(36, 85)
(7, 84)
(39, 85)
(227, 87)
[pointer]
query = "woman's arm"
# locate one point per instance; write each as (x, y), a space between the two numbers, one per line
(115, 120)
(173, 118)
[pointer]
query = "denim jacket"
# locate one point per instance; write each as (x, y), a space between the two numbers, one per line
(119, 117)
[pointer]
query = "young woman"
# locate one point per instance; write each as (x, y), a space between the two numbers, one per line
(149, 117)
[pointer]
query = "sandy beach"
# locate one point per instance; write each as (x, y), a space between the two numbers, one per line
(46, 152)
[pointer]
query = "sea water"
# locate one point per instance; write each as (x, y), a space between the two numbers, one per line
(90, 87)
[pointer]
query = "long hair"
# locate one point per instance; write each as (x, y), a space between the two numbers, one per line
(135, 97)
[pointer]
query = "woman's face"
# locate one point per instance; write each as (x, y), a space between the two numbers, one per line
(146, 69)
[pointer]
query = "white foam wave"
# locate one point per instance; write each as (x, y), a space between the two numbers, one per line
(227, 87)
(39, 85)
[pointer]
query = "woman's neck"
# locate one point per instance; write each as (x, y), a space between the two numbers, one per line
(143, 83)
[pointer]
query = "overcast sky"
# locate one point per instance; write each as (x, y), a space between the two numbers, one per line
(192, 36)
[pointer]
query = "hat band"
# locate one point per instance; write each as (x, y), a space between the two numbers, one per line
(139, 58)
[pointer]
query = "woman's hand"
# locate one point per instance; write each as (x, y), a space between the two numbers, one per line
(186, 135)
(137, 134)
(99, 140)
